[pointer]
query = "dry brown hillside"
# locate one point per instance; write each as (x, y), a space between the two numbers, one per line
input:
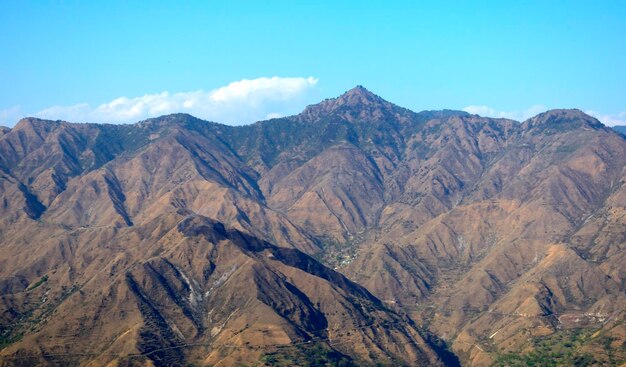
(355, 233)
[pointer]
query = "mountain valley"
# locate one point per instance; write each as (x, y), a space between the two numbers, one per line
(356, 233)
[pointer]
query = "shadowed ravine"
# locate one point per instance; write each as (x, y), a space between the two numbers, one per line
(357, 233)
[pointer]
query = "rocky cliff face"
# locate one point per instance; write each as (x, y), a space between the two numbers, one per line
(357, 232)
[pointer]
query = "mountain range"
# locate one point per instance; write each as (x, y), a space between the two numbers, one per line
(355, 233)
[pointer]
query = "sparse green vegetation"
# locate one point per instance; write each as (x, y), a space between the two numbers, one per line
(38, 283)
(564, 348)
(336, 255)
(32, 318)
(315, 355)
(566, 148)
(5, 341)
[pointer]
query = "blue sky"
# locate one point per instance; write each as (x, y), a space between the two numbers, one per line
(237, 61)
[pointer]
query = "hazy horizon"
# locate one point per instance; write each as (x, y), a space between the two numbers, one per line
(239, 62)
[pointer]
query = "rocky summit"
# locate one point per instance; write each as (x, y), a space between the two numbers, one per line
(357, 233)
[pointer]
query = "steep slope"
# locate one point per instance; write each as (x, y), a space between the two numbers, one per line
(176, 240)
(344, 157)
(503, 261)
(620, 129)
(206, 295)
(125, 266)
(38, 158)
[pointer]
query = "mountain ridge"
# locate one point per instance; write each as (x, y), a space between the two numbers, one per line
(419, 237)
(357, 97)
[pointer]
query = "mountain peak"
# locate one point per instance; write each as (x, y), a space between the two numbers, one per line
(359, 90)
(357, 103)
(358, 96)
(4, 130)
(36, 125)
(564, 118)
(567, 113)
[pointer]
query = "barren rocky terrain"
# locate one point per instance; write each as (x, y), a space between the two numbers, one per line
(356, 233)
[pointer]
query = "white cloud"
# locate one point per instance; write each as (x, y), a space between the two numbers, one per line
(273, 115)
(513, 115)
(609, 120)
(239, 102)
(10, 115)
